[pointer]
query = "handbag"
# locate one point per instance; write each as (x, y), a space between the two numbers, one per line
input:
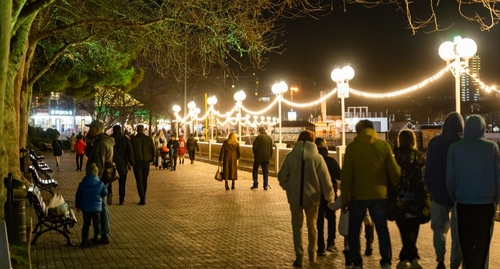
(110, 173)
(218, 174)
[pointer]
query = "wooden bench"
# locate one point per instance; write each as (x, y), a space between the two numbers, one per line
(39, 165)
(45, 221)
(44, 184)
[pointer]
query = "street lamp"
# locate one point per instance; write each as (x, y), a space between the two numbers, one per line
(239, 96)
(212, 100)
(177, 109)
(342, 77)
(460, 50)
(279, 89)
(191, 106)
(196, 112)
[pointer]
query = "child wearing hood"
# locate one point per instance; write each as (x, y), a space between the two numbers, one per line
(89, 200)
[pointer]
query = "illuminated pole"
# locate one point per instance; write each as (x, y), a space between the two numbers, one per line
(239, 97)
(342, 77)
(211, 102)
(460, 48)
(177, 109)
(191, 106)
(292, 89)
(279, 89)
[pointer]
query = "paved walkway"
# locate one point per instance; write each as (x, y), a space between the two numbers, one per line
(191, 221)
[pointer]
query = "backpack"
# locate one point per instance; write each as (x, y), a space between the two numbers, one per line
(181, 144)
(409, 199)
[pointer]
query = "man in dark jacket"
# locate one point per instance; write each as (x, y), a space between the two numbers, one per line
(262, 153)
(435, 179)
(192, 145)
(101, 153)
(124, 156)
(144, 153)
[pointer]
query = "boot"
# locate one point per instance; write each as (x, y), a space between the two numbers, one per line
(347, 255)
(227, 186)
(110, 199)
(369, 235)
(232, 185)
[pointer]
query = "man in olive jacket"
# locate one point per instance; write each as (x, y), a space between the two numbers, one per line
(369, 164)
(262, 152)
(144, 153)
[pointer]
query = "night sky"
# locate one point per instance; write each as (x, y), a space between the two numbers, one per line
(382, 50)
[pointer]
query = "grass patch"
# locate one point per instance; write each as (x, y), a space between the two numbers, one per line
(19, 256)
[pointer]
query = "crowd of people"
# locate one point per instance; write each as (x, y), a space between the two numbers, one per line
(455, 185)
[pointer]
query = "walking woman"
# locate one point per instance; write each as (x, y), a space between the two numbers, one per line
(229, 154)
(57, 149)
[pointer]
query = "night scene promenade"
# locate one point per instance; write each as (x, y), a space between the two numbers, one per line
(191, 221)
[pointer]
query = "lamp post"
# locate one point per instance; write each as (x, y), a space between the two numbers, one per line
(239, 96)
(191, 106)
(279, 89)
(212, 100)
(460, 51)
(342, 77)
(177, 109)
(196, 111)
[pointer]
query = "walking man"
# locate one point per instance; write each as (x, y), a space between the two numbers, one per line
(262, 153)
(144, 153)
(101, 152)
(435, 179)
(192, 145)
(124, 156)
(369, 164)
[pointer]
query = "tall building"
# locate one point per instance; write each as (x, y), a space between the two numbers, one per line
(469, 89)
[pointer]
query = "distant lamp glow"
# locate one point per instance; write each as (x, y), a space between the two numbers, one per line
(239, 96)
(212, 101)
(177, 109)
(342, 78)
(279, 89)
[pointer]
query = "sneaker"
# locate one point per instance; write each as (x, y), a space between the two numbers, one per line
(321, 253)
(415, 265)
(104, 241)
(332, 248)
(441, 265)
(297, 263)
(312, 256)
(265, 188)
(386, 266)
(254, 188)
(402, 265)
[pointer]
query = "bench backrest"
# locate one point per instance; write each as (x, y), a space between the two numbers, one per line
(36, 200)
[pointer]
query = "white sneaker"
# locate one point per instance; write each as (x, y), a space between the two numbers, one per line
(415, 265)
(386, 266)
(402, 265)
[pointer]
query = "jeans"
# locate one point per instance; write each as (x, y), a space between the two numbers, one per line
(89, 217)
(440, 224)
(105, 221)
(191, 155)
(408, 228)
(173, 161)
(325, 212)
(79, 161)
(475, 226)
(297, 222)
(265, 172)
(378, 212)
(141, 173)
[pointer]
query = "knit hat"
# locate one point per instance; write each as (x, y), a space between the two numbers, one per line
(92, 169)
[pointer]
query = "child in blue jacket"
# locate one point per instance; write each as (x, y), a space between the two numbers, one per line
(89, 200)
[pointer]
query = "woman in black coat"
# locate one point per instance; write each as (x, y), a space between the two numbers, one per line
(57, 149)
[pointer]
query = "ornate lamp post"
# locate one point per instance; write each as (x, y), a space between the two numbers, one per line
(279, 89)
(191, 106)
(177, 109)
(212, 101)
(239, 96)
(460, 51)
(342, 77)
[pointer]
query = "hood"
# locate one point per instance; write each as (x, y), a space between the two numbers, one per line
(453, 124)
(310, 150)
(475, 127)
(105, 139)
(90, 180)
(367, 136)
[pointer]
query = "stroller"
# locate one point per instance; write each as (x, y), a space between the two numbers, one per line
(165, 159)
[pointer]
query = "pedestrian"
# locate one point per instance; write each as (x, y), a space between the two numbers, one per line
(57, 149)
(144, 152)
(412, 208)
(72, 142)
(101, 153)
(79, 148)
(182, 149)
(435, 180)
(173, 146)
(304, 176)
(262, 152)
(123, 158)
(368, 165)
(229, 155)
(324, 211)
(473, 182)
(89, 200)
(160, 141)
(192, 145)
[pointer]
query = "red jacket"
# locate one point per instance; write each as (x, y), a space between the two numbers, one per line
(80, 147)
(182, 146)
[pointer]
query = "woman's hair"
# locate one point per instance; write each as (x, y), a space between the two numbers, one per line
(407, 139)
(306, 136)
(320, 142)
(231, 138)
